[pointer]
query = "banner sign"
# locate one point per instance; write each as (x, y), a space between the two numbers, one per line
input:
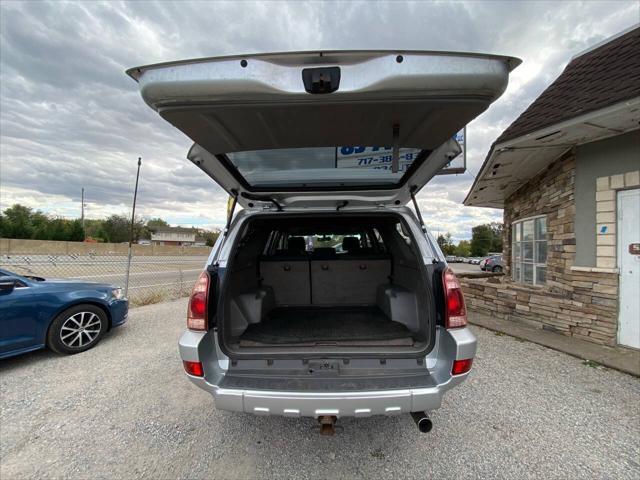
(380, 157)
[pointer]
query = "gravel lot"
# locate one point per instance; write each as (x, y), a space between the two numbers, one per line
(124, 410)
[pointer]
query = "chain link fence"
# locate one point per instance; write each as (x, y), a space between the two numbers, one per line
(157, 273)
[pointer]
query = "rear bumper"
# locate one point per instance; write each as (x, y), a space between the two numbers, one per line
(315, 404)
(451, 345)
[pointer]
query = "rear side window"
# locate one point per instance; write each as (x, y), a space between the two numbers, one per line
(403, 233)
(377, 238)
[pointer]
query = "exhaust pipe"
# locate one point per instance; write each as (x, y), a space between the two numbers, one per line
(327, 424)
(423, 421)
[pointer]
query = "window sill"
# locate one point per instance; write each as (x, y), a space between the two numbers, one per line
(529, 286)
(594, 269)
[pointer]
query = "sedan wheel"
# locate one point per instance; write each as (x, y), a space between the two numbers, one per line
(77, 329)
(80, 329)
(497, 269)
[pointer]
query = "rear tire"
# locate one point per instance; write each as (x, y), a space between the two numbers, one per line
(77, 329)
(497, 269)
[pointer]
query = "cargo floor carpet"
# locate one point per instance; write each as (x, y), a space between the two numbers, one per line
(326, 326)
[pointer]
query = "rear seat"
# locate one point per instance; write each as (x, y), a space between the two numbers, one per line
(350, 278)
(325, 277)
(287, 272)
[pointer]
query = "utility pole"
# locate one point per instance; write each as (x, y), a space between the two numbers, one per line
(82, 215)
(133, 218)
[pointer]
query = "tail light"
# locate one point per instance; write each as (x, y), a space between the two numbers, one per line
(461, 366)
(454, 308)
(193, 368)
(197, 310)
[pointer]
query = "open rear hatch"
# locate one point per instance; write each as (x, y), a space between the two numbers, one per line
(286, 126)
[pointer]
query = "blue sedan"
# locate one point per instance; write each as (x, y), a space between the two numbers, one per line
(67, 316)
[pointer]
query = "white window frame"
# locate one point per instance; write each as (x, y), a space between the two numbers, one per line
(536, 242)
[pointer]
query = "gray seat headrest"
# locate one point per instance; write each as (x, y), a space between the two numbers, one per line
(350, 244)
(296, 245)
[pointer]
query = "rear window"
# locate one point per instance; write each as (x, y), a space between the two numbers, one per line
(324, 166)
(341, 243)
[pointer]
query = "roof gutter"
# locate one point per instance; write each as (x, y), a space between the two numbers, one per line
(543, 138)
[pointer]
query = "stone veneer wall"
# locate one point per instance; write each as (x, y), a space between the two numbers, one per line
(579, 302)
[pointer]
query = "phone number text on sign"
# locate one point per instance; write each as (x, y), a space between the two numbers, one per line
(381, 157)
(374, 157)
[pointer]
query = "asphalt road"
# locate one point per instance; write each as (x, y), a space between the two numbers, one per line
(465, 268)
(124, 410)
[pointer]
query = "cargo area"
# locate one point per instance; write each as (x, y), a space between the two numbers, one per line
(309, 326)
(327, 283)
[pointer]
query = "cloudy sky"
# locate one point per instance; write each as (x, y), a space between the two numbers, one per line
(70, 118)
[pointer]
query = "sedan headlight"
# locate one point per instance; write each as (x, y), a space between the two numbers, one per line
(117, 293)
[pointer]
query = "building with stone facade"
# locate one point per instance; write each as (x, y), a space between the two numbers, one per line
(567, 174)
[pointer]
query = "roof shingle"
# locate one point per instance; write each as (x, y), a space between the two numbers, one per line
(597, 79)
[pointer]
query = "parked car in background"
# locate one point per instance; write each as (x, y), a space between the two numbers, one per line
(67, 316)
(475, 261)
(492, 264)
(372, 324)
(450, 259)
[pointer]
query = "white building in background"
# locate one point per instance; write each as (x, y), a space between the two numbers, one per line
(179, 236)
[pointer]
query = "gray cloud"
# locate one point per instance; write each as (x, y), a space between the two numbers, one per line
(70, 118)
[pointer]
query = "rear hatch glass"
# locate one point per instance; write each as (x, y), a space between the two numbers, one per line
(347, 166)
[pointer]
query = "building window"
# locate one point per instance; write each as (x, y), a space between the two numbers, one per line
(529, 251)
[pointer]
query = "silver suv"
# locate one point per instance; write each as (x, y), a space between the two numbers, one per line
(326, 296)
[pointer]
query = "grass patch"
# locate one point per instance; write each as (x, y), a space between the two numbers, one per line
(148, 298)
(591, 363)
(498, 334)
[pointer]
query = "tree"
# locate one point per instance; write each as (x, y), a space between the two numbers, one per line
(150, 227)
(75, 231)
(210, 236)
(95, 230)
(156, 222)
(497, 229)
(484, 239)
(463, 249)
(57, 230)
(446, 244)
(116, 229)
(17, 222)
(140, 230)
(40, 224)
